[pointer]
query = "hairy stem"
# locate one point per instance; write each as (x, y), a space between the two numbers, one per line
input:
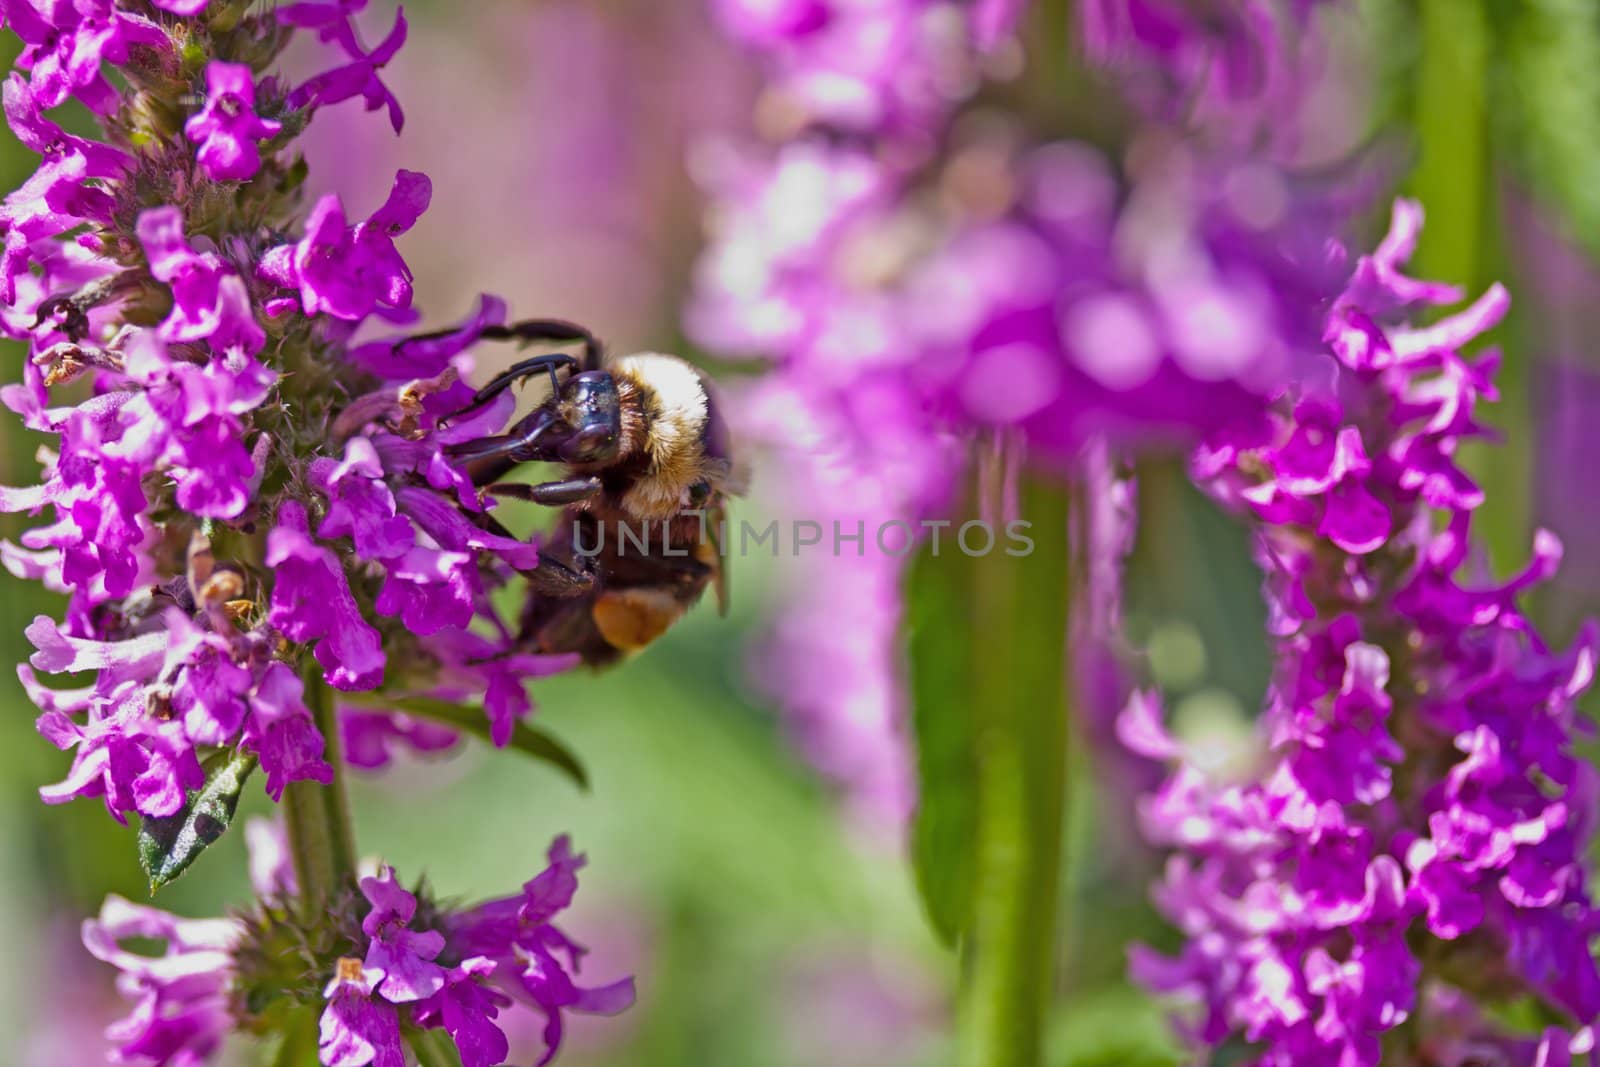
(318, 816)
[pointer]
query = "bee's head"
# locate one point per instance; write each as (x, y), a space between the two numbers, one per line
(583, 423)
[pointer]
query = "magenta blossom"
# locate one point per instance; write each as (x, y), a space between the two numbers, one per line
(401, 956)
(182, 1010)
(229, 128)
(358, 1029)
(351, 272)
(533, 961)
(359, 77)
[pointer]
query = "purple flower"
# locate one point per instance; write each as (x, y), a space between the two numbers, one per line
(360, 76)
(209, 299)
(25, 116)
(466, 1009)
(533, 960)
(121, 753)
(352, 271)
(271, 863)
(283, 733)
(406, 358)
(51, 202)
(369, 738)
(356, 1029)
(66, 44)
(181, 1011)
(400, 957)
(360, 505)
(212, 688)
(322, 17)
(228, 128)
(188, 420)
(311, 601)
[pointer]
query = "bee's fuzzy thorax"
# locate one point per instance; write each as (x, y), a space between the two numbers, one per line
(664, 419)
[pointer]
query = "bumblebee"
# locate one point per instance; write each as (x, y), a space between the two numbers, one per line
(647, 465)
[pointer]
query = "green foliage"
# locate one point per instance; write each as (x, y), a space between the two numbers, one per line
(169, 846)
(299, 1044)
(1113, 1027)
(1552, 52)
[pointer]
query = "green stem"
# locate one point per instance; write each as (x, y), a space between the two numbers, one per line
(1019, 645)
(318, 816)
(1452, 174)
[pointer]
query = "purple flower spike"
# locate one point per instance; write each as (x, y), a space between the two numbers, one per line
(1414, 826)
(228, 128)
(222, 515)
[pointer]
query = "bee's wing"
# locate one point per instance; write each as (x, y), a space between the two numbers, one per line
(727, 476)
(717, 518)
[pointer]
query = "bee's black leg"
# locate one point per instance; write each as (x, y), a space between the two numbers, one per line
(554, 494)
(525, 368)
(550, 331)
(523, 443)
(552, 575)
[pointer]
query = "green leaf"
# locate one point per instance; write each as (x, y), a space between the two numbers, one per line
(986, 647)
(168, 845)
(944, 830)
(433, 1048)
(988, 643)
(529, 740)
